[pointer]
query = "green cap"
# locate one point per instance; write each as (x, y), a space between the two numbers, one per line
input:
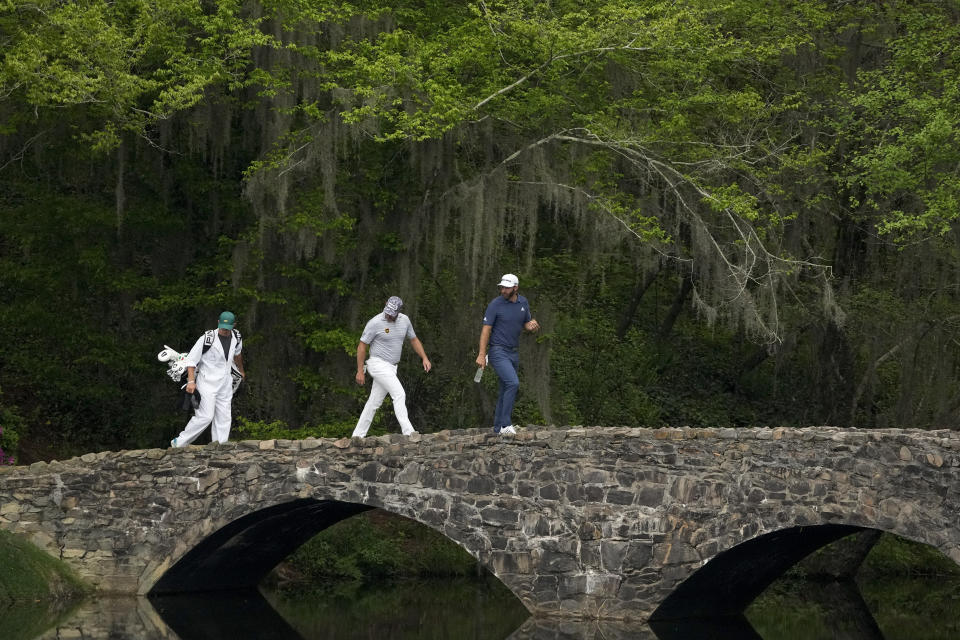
(226, 320)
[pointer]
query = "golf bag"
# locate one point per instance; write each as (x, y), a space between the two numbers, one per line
(176, 365)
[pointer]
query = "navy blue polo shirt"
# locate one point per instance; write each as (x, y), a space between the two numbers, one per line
(507, 319)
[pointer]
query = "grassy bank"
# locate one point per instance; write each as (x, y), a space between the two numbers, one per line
(35, 589)
(28, 574)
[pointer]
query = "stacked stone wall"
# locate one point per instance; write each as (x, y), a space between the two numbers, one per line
(587, 522)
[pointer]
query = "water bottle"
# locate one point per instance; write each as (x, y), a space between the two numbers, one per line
(478, 374)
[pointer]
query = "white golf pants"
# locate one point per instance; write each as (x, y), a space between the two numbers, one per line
(385, 381)
(216, 398)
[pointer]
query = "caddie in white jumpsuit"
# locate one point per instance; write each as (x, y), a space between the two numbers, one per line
(209, 373)
(384, 334)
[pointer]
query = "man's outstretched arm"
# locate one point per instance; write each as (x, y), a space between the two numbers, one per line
(418, 349)
(361, 356)
(484, 341)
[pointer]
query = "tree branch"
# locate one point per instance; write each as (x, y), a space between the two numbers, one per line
(549, 62)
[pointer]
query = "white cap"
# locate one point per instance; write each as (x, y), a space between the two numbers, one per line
(509, 280)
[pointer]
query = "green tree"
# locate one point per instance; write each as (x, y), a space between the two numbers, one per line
(731, 212)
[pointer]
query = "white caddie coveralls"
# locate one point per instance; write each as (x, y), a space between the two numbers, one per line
(215, 384)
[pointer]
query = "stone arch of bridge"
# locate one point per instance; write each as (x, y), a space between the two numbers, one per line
(241, 553)
(238, 554)
(729, 581)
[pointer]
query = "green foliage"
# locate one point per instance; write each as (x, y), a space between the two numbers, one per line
(902, 126)
(245, 429)
(131, 63)
(298, 162)
(376, 545)
(12, 425)
(896, 556)
(606, 380)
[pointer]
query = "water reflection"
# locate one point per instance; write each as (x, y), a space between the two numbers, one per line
(802, 609)
(727, 628)
(464, 608)
(892, 608)
(109, 617)
(927, 608)
(223, 615)
(553, 629)
(471, 609)
(27, 620)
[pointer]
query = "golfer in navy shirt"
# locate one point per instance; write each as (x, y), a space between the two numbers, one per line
(506, 317)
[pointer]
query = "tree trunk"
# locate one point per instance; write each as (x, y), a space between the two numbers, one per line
(682, 294)
(642, 285)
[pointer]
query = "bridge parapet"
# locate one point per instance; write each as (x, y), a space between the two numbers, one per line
(588, 522)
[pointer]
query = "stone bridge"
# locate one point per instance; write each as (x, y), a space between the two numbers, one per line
(614, 523)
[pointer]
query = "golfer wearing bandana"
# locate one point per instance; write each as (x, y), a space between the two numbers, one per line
(384, 335)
